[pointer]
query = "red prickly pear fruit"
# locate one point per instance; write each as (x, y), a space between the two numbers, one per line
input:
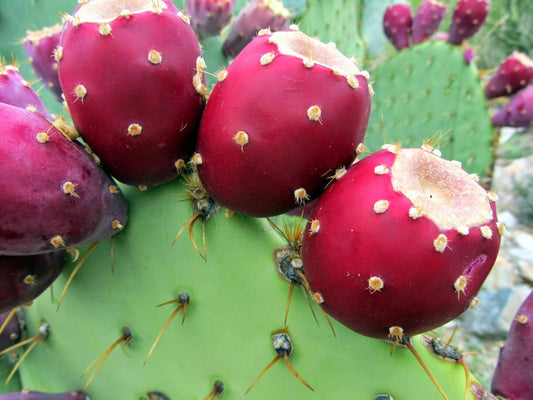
(11, 333)
(288, 111)
(513, 376)
(143, 121)
(397, 25)
(255, 15)
(513, 74)
(31, 395)
(209, 17)
(17, 91)
(518, 112)
(401, 243)
(427, 20)
(53, 194)
(40, 48)
(23, 278)
(468, 16)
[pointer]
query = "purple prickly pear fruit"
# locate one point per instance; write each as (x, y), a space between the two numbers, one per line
(397, 25)
(518, 112)
(53, 194)
(23, 278)
(289, 111)
(427, 20)
(40, 48)
(142, 122)
(209, 17)
(513, 74)
(256, 15)
(401, 244)
(17, 91)
(513, 376)
(468, 16)
(11, 331)
(31, 395)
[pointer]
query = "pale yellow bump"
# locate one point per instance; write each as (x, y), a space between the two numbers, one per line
(457, 163)
(427, 147)
(332, 44)
(381, 170)
(436, 152)
(104, 29)
(70, 189)
(155, 57)
(263, 32)
(475, 177)
(115, 224)
(294, 28)
(521, 319)
(222, 75)
(66, 128)
(352, 81)
(475, 302)
(42, 137)
(360, 149)
(198, 84)
(366, 74)
(267, 58)
(371, 90)
(396, 332)
(135, 129)
(460, 284)
(308, 63)
(57, 241)
(318, 298)
(381, 206)
(501, 228)
(30, 280)
(415, 212)
(241, 138)
(200, 64)
(142, 188)
(492, 195)
(315, 227)
(158, 6)
(31, 107)
(314, 113)
(463, 230)
(339, 173)
(197, 159)
(180, 164)
(125, 13)
(113, 189)
(440, 243)
(486, 232)
(25, 83)
(184, 18)
(301, 196)
(375, 284)
(393, 148)
(80, 92)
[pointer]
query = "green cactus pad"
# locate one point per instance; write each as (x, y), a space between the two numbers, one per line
(428, 90)
(237, 299)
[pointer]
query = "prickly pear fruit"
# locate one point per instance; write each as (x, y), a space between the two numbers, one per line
(40, 48)
(468, 16)
(53, 194)
(23, 278)
(513, 376)
(255, 15)
(11, 332)
(518, 111)
(209, 17)
(16, 90)
(288, 111)
(397, 25)
(513, 74)
(144, 119)
(401, 243)
(30, 395)
(427, 20)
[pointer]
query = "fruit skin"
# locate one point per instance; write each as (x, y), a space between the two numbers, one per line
(40, 46)
(468, 16)
(53, 194)
(31, 395)
(357, 241)
(23, 278)
(513, 376)
(209, 17)
(518, 111)
(397, 25)
(513, 74)
(427, 20)
(285, 150)
(12, 330)
(145, 118)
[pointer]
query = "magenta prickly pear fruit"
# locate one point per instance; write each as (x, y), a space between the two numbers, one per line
(401, 243)
(518, 112)
(133, 79)
(397, 25)
(23, 278)
(11, 332)
(209, 17)
(513, 74)
(256, 15)
(40, 48)
(53, 194)
(17, 91)
(30, 395)
(513, 376)
(289, 111)
(468, 16)
(427, 20)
